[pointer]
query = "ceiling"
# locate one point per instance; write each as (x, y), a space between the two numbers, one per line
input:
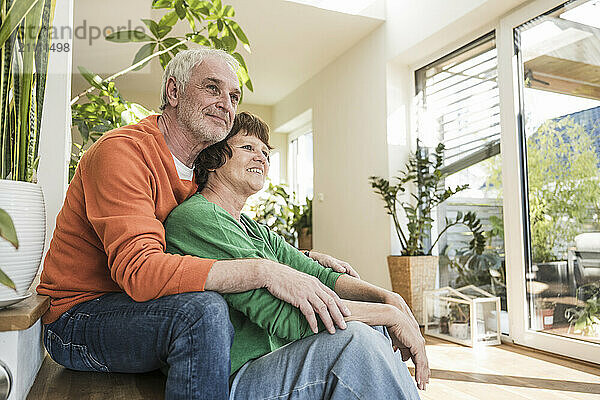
(290, 43)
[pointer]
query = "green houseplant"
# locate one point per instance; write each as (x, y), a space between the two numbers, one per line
(415, 270)
(101, 107)
(279, 209)
(485, 270)
(585, 319)
(424, 173)
(302, 223)
(25, 45)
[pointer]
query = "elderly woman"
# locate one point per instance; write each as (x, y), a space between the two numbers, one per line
(275, 353)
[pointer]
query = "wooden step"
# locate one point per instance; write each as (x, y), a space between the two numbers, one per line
(55, 382)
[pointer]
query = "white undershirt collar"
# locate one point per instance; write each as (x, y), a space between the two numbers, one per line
(185, 173)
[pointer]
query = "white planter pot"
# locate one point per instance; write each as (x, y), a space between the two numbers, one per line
(24, 202)
(459, 330)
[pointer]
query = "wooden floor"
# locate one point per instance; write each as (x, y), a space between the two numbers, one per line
(506, 372)
(458, 373)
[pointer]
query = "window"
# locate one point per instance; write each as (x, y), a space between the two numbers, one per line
(300, 163)
(457, 100)
(275, 167)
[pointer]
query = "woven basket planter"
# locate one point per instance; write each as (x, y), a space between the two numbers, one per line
(411, 276)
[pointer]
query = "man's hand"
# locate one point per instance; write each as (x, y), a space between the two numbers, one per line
(305, 292)
(331, 262)
(411, 344)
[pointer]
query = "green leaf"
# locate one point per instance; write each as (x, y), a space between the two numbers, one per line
(162, 4)
(179, 9)
(90, 77)
(128, 36)
(144, 51)
(164, 58)
(240, 34)
(84, 131)
(203, 7)
(7, 229)
(163, 30)
(200, 39)
(14, 17)
(153, 26)
(228, 11)
(213, 30)
(169, 19)
(229, 42)
(6, 281)
(191, 21)
(217, 5)
(217, 43)
(240, 59)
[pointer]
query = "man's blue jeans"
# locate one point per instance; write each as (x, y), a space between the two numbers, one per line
(355, 363)
(189, 334)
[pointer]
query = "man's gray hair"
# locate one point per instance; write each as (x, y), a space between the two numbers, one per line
(180, 68)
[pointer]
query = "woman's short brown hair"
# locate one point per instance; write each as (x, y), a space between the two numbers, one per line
(216, 155)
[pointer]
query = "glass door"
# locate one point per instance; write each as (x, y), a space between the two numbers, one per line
(555, 65)
(560, 61)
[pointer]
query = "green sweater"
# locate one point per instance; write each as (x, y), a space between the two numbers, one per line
(262, 322)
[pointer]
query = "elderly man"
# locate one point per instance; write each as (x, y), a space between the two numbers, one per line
(118, 301)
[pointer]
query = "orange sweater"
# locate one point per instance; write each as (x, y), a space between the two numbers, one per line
(109, 234)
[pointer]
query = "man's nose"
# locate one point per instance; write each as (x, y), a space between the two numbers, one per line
(226, 104)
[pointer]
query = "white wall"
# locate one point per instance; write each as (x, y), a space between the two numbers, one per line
(347, 99)
(362, 120)
(55, 140)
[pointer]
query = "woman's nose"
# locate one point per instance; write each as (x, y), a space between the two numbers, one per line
(261, 157)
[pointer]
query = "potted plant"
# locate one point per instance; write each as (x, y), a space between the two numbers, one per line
(415, 269)
(283, 214)
(25, 44)
(302, 224)
(486, 270)
(585, 319)
(273, 209)
(459, 321)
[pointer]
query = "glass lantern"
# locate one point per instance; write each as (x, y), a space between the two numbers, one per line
(468, 315)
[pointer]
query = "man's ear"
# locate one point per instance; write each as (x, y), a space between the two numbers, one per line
(172, 92)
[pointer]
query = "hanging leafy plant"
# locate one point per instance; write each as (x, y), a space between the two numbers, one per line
(208, 23)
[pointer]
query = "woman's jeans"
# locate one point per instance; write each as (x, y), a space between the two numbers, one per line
(189, 334)
(357, 363)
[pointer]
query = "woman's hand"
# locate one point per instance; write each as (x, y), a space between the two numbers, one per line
(331, 262)
(411, 344)
(397, 301)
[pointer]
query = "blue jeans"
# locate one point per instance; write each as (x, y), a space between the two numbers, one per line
(355, 363)
(189, 334)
